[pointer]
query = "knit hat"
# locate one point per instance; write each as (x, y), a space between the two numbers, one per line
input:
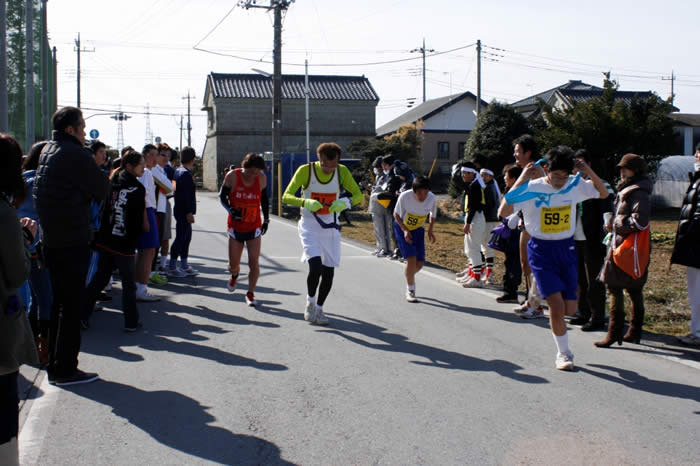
(633, 162)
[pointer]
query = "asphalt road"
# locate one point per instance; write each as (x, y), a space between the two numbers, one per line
(454, 379)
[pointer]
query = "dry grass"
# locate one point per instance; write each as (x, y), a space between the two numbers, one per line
(665, 294)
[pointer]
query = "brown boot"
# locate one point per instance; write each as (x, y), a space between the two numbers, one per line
(634, 333)
(42, 347)
(616, 326)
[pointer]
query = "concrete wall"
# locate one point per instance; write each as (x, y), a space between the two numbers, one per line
(430, 149)
(244, 125)
(459, 116)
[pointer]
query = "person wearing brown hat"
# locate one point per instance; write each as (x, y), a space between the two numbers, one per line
(632, 215)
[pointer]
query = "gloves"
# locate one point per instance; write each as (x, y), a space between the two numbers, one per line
(236, 214)
(513, 221)
(313, 205)
(265, 224)
(339, 205)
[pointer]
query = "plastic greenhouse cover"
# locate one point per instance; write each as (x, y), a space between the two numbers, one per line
(672, 180)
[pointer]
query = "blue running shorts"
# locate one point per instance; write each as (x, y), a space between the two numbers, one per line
(554, 264)
(417, 248)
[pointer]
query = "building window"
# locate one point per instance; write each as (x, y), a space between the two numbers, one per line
(443, 150)
(460, 150)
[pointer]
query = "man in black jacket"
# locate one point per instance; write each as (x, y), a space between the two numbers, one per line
(67, 180)
(591, 254)
(686, 251)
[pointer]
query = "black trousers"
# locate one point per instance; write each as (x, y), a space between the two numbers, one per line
(126, 266)
(9, 407)
(591, 301)
(68, 268)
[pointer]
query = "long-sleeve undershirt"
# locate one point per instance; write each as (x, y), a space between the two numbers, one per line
(302, 177)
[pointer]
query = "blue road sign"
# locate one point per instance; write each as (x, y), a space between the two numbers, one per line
(94, 134)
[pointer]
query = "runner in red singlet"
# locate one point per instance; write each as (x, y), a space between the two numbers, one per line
(243, 194)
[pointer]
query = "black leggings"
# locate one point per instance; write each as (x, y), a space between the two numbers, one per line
(318, 271)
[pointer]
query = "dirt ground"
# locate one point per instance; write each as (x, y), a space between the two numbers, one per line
(665, 293)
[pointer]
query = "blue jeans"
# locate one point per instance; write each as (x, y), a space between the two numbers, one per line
(181, 246)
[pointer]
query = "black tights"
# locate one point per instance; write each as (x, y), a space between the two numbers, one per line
(318, 271)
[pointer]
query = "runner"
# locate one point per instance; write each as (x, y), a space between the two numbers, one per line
(319, 229)
(242, 194)
(549, 210)
(411, 212)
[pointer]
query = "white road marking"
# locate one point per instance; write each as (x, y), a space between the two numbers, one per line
(39, 418)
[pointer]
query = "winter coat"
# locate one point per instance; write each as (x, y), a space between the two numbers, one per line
(185, 194)
(492, 202)
(686, 250)
(633, 214)
(67, 180)
(122, 220)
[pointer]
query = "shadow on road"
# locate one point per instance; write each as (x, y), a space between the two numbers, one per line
(435, 357)
(637, 381)
(181, 423)
(543, 322)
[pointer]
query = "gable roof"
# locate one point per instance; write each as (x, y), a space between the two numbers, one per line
(686, 119)
(256, 86)
(424, 111)
(572, 85)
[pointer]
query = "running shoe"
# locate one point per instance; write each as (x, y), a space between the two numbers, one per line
(520, 309)
(464, 273)
(190, 272)
(176, 272)
(411, 296)
(77, 377)
(533, 313)
(487, 277)
(321, 318)
(158, 279)
(383, 253)
(232, 283)
(565, 361)
(310, 312)
(146, 297)
(133, 329)
(507, 298)
(472, 282)
(250, 299)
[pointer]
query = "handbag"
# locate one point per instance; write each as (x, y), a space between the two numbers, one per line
(498, 241)
(632, 256)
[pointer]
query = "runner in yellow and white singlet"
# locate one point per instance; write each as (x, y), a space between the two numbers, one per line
(413, 209)
(319, 230)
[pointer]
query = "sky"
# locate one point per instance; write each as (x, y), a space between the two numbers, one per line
(140, 52)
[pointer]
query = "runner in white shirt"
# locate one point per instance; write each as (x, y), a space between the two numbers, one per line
(413, 209)
(549, 210)
(149, 241)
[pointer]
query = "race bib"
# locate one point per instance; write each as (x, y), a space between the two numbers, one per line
(249, 214)
(413, 221)
(326, 199)
(555, 219)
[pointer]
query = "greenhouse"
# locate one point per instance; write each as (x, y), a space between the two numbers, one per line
(672, 181)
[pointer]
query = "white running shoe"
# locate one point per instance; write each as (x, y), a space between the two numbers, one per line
(463, 273)
(321, 318)
(310, 311)
(176, 272)
(146, 297)
(250, 299)
(565, 361)
(190, 272)
(472, 283)
(533, 313)
(411, 296)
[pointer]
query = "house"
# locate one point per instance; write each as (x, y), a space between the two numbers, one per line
(239, 116)
(688, 127)
(445, 124)
(566, 95)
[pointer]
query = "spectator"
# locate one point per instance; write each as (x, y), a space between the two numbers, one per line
(39, 284)
(474, 224)
(122, 225)
(184, 212)
(632, 215)
(492, 199)
(163, 175)
(379, 203)
(99, 152)
(67, 180)
(150, 238)
(590, 231)
(686, 250)
(513, 274)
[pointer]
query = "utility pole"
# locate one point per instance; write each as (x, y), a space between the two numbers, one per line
(4, 123)
(45, 130)
(79, 50)
(278, 6)
(149, 133)
(189, 126)
(29, 76)
(672, 78)
(478, 77)
(181, 128)
(306, 104)
(423, 50)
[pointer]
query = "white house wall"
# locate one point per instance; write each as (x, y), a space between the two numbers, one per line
(460, 116)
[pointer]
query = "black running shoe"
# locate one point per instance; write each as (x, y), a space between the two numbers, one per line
(507, 298)
(77, 377)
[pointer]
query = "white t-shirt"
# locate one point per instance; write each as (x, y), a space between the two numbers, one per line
(413, 213)
(148, 183)
(558, 219)
(164, 184)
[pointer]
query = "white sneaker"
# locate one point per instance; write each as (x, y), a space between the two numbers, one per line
(176, 272)
(472, 283)
(533, 313)
(189, 271)
(310, 311)
(321, 318)
(463, 273)
(565, 361)
(146, 297)
(250, 299)
(411, 296)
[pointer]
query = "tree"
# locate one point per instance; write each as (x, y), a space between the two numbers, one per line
(404, 144)
(493, 135)
(609, 128)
